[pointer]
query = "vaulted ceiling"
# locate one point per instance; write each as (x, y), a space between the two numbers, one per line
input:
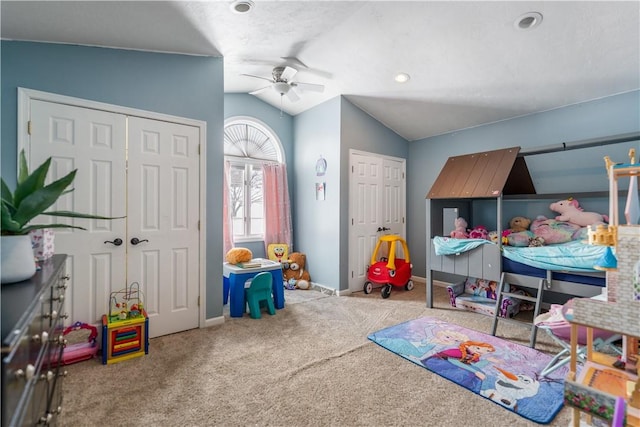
(469, 63)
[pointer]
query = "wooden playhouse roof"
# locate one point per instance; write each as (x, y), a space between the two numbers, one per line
(489, 174)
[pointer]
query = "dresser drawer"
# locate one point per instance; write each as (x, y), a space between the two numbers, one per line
(32, 343)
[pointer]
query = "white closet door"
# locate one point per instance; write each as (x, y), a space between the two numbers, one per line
(377, 199)
(393, 200)
(366, 215)
(163, 213)
(93, 142)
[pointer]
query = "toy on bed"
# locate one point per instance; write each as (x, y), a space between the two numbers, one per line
(460, 232)
(479, 295)
(571, 211)
(479, 232)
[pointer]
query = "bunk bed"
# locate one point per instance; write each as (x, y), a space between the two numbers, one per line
(499, 176)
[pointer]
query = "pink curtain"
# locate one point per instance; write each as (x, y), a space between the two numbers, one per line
(227, 230)
(277, 211)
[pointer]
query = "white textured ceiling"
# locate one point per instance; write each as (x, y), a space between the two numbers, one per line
(469, 65)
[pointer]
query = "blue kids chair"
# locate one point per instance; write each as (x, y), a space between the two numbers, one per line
(259, 294)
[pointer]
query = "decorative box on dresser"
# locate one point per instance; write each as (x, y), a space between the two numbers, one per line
(32, 345)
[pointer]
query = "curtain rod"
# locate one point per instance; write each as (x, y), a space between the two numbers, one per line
(585, 143)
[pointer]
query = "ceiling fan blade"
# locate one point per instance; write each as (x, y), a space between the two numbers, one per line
(257, 91)
(258, 77)
(294, 60)
(288, 73)
(308, 87)
(292, 95)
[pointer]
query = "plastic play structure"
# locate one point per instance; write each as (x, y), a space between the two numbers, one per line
(390, 271)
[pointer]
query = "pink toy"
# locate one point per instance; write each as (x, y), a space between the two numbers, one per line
(479, 232)
(461, 229)
(81, 351)
(570, 211)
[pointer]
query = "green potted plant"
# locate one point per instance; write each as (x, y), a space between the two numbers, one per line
(30, 199)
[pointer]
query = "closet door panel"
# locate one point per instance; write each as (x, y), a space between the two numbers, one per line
(163, 214)
(93, 142)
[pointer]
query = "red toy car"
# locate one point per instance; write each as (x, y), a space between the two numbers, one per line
(392, 271)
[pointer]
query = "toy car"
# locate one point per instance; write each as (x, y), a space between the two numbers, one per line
(389, 271)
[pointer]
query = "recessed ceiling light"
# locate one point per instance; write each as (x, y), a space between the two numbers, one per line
(241, 6)
(528, 21)
(402, 77)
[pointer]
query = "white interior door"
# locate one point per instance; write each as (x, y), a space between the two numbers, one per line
(163, 213)
(159, 194)
(93, 142)
(377, 206)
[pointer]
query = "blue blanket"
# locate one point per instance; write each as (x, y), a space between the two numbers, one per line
(449, 246)
(571, 256)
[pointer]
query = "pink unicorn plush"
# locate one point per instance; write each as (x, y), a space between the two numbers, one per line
(570, 211)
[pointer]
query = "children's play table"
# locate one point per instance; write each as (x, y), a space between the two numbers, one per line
(235, 277)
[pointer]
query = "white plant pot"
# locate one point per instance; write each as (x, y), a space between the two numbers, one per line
(18, 263)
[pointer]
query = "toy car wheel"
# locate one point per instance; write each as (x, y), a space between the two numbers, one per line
(392, 273)
(386, 291)
(368, 287)
(409, 285)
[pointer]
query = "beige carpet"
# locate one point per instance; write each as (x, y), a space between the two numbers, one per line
(309, 365)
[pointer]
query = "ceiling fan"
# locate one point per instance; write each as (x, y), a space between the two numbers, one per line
(282, 83)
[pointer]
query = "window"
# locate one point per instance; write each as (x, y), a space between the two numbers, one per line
(247, 144)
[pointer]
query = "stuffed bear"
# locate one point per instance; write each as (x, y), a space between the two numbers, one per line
(570, 211)
(294, 274)
(519, 223)
(239, 255)
(461, 229)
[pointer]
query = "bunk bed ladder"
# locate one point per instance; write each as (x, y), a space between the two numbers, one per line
(526, 282)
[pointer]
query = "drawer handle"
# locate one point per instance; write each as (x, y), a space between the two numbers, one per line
(48, 376)
(61, 340)
(37, 338)
(52, 315)
(47, 418)
(59, 298)
(28, 374)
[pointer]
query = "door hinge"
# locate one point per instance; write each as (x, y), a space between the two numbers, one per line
(29, 127)
(198, 149)
(403, 220)
(352, 169)
(352, 274)
(402, 175)
(198, 225)
(351, 221)
(198, 300)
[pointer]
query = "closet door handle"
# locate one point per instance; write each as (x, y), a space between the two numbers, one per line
(135, 241)
(116, 242)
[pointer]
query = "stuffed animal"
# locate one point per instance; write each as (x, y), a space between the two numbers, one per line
(239, 255)
(460, 231)
(493, 236)
(294, 274)
(479, 232)
(519, 223)
(570, 211)
(536, 242)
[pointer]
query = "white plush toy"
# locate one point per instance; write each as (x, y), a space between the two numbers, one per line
(570, 211)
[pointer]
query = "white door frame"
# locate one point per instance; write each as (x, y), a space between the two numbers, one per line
(25, 96)
(351, 237)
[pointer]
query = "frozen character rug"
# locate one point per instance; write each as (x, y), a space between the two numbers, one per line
(503, 372)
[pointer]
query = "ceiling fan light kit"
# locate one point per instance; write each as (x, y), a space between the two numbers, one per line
(283, 84)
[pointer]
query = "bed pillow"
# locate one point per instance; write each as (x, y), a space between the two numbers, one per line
(554, 231)
(519, 239)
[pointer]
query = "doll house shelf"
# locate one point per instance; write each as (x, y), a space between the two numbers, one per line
(603, 379)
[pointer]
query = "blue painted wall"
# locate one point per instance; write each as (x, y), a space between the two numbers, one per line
(317, 223)
(570, 171)
(243, 104)
(180, 85)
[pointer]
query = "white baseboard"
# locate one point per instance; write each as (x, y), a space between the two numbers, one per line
(214, 321)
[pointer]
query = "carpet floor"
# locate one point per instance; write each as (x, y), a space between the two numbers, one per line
(309, 365)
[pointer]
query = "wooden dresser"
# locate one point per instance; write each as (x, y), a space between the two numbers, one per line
(32, 344)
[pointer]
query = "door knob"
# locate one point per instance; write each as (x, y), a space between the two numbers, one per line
(135, 241)
(116, 242)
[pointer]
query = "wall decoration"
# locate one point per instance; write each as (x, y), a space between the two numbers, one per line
(321, 166)
(320, 190)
